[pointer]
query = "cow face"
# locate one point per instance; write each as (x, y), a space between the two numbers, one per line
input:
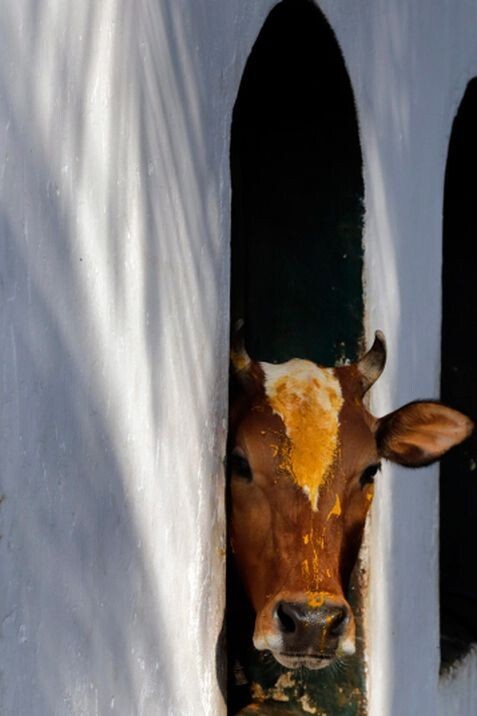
(304, 453)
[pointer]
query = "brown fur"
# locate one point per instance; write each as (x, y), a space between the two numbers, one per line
(287, 553)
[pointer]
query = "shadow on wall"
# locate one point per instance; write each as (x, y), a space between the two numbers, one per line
(110, 274)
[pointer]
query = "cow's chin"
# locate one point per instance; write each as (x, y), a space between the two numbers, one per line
(307, 661)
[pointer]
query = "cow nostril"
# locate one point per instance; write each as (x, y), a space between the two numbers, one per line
(337, 621)
(287, 623)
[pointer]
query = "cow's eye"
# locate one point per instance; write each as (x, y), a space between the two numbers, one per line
(240, 466)
(368, 475)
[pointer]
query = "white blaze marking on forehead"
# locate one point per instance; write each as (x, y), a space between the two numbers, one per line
(308, 399)
(302, 373)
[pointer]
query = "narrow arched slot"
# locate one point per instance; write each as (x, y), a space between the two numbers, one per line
(297, 211)
(458, 483)
(297, 193)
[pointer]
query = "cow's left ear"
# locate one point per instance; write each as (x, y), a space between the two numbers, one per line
(420, 433)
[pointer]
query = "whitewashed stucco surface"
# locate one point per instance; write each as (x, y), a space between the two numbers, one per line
(114, 263)
(114, 232)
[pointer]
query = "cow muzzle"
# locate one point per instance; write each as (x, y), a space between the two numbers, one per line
(306, 630)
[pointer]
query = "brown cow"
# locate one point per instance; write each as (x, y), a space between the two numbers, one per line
(304, 453)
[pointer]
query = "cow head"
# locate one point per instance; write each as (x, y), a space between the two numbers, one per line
(304, 452)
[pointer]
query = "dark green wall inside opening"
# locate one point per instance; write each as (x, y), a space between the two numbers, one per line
(297, 194)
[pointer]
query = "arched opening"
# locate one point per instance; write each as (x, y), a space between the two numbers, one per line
(297, 193)
(297, 211)
(458, 483)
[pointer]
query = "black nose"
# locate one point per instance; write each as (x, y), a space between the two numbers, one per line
(311, 629)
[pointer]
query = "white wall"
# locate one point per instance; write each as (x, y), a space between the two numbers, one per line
(114, 263)
(114, 231)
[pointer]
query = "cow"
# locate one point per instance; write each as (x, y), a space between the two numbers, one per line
(304, 452)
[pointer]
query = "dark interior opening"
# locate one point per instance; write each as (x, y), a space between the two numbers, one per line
(297, 210)
(458, 483)
(297, 194)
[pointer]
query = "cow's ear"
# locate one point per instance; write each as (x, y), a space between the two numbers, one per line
(420, 433)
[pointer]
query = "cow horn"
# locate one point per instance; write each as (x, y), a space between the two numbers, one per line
(372, 364)
(239, 357)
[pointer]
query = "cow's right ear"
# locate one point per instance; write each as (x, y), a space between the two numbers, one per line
(420, 433)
